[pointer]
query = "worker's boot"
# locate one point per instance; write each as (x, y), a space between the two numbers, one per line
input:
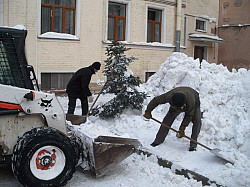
(154, 144)
(192, 149)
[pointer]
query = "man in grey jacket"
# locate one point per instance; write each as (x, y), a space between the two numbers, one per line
(181, 99)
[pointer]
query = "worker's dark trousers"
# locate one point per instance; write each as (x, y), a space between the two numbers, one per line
(169, 119)
(72, 105)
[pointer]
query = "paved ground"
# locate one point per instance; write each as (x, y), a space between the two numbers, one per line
(7, 178)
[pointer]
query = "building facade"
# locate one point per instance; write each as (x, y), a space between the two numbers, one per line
(234, 28)
(65, 35)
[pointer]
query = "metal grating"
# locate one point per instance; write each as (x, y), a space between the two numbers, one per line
(10, 70)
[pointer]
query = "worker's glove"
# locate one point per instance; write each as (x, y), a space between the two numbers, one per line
(181, 132)
(148, 115)
(90, 99)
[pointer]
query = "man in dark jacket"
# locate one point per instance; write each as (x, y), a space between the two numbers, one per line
(78, 87)
(181, 99)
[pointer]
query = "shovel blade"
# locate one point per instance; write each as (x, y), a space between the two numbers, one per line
(75, 119)
(219, 153)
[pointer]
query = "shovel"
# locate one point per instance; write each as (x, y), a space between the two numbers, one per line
(77, 119)
(215, 151)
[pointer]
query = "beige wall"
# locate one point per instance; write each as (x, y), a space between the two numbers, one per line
(234, 28)
(60, 55)
(208, 11)
(1, 12)
(234, 12)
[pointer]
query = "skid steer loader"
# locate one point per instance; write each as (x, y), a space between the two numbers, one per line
(34, 135)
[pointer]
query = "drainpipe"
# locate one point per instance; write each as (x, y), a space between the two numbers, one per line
(178, 26)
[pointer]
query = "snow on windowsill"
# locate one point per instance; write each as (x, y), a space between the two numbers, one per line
(200, 30)
(55, 35)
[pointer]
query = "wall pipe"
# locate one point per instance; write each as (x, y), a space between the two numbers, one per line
(178, 26)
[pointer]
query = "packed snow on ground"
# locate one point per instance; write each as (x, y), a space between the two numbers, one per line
(225, 103)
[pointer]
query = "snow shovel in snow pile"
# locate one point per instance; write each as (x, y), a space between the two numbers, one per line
(215, 151)
(102, 153)
(77, 119)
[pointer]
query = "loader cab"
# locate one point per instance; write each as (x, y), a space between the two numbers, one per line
(14, 69)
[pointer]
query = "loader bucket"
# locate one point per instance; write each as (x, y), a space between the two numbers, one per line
(109, 151)
(104, 152)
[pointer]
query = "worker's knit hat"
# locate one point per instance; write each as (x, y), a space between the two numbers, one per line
(96, 65)
(178, 99)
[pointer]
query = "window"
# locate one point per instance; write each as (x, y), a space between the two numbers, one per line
(154, 25)
(116, 21)
(58, 16)
(148, 74)
(55, 81)
(200, 25)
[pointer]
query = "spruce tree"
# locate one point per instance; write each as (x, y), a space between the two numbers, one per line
(121, 82)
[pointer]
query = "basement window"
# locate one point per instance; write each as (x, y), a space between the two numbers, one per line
(148, 74)
(55, 81)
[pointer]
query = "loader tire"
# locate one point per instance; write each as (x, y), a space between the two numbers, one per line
(78, 147)
(43, 157)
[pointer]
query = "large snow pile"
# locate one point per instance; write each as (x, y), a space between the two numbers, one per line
(225, 98)
(225, 125)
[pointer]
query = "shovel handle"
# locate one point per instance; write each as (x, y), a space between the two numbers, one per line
(96, 100)
(165, 125)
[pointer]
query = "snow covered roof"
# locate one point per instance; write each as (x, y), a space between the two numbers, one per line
(205, 38)
(203, 17)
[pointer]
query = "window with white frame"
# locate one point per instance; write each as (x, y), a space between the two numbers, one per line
(58, 16)
(116, 21)
(154, 23)
(200, 25)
